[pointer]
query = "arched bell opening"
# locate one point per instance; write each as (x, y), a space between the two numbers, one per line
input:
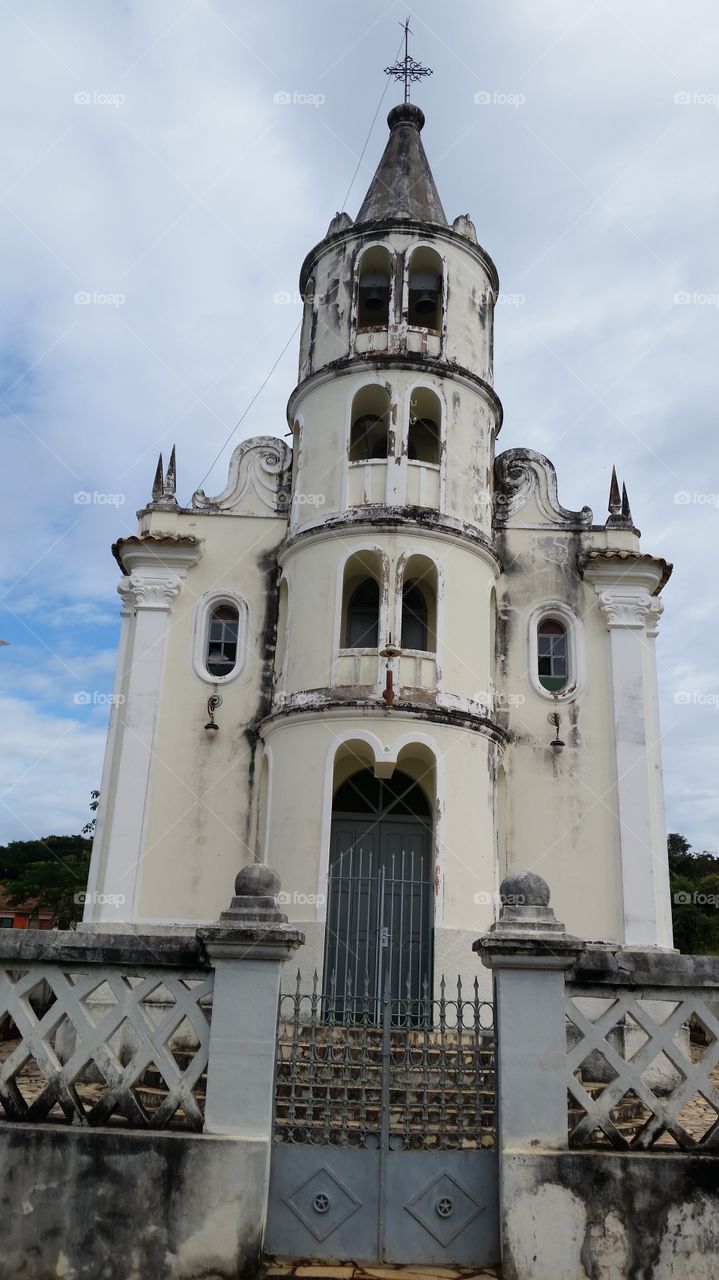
(379, 931)
(425, 290)
(373, 288)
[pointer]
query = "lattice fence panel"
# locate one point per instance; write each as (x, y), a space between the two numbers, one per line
(102, 1046)
(643, 1068)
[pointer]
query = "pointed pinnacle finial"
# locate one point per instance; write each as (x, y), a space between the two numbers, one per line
(158, 484)
(615, 502)
(626, 510)
(165, 483)
(171, 477)
(407, 70)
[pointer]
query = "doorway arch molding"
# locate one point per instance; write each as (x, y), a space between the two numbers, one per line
(385, 754)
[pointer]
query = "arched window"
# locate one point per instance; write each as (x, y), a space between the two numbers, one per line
(423, 436)
(363, 616)
(222, 640)
(373, 291)
(425, 290)
(414, 617)
(369, 433)
(552, 655)
(419, 605)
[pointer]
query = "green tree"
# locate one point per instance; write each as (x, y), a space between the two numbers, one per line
(694, 881)
(49, 874)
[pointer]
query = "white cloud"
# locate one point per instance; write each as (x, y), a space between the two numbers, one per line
(196, 199)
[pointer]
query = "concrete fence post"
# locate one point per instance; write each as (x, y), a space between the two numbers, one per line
(528, 951)
(247, 948)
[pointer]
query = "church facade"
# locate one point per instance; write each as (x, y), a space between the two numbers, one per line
(385, 659)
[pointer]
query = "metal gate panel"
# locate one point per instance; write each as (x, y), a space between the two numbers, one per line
(324, 1203)
(441, 1207)
(384, 1130)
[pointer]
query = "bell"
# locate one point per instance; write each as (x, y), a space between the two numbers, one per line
(374, 291)
(375, 299)
(426, 303)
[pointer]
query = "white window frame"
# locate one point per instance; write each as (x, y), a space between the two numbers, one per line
(203, 612)
(576, 661)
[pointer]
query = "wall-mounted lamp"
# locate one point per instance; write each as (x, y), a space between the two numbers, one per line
(213, 702)
(556, 745)
(390, 651)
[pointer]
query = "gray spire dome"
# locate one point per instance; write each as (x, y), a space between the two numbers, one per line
(403, 186)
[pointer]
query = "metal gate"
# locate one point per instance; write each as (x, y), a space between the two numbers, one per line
(379, 912)
(384, 1129)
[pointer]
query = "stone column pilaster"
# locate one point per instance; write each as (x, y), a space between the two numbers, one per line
(149, 592)
(630, 613)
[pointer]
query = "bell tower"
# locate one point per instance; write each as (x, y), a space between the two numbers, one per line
(383, 747)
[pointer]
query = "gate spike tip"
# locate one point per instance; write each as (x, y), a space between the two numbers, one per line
(158, 482)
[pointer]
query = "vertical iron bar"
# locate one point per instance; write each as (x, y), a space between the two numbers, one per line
(411, 929)
(349, 947)
(380, 937)
(390, 929)
(335, 918)
(385, 1114)
(459, 1119)
(442, 1062)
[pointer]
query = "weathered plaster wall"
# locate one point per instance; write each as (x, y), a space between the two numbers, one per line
(323, 408)
(597, 1216)
(201, 815)
(328, 274)
(560, 818)
(314, 573)
(101, 1204)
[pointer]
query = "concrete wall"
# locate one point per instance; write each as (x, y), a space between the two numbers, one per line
(104, 1204)
(596, 1216)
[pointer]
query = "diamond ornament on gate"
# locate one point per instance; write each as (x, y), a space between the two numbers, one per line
(322, 1203)
(444, 1209)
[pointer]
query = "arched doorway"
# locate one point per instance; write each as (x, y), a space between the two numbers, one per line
(378, 937)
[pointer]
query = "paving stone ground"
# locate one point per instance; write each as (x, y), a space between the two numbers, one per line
(304, 1269)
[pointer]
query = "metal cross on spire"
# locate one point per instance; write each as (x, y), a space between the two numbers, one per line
(407, 70)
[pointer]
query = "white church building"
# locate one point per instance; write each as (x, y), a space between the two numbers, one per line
(386, 660)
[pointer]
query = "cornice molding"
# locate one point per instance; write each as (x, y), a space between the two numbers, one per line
(385, 520)
(157, 551)
(380, 362)
(329, 707)
(369, 231)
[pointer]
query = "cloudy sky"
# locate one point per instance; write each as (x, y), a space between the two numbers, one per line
(156, 198)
